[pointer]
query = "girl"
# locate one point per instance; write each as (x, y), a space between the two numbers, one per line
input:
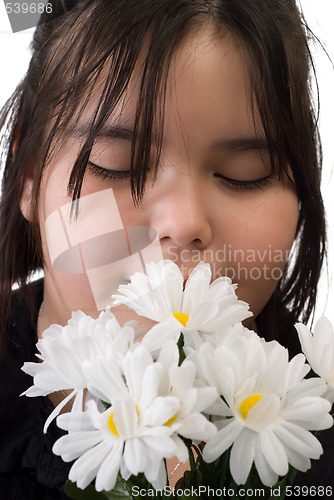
(190, 120)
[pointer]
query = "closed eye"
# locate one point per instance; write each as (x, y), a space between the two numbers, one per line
(106, 173)
(247, 185)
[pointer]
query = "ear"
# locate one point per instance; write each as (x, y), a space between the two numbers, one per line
(26, 198)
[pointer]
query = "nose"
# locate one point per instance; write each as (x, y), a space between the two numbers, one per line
(181, 214)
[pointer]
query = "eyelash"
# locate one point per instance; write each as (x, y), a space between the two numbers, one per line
(106, 173)
(234, 184)
(254, 185)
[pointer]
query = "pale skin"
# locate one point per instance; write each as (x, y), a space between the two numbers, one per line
(213, 190)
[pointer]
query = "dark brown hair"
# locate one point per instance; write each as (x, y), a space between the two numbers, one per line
(79, 40)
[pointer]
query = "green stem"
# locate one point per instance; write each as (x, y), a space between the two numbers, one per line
(180, 344)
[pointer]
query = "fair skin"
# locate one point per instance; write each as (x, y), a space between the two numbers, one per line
(209, 194)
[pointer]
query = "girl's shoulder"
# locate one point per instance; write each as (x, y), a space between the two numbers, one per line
(20, 346)
(21, 332)
(26, 456)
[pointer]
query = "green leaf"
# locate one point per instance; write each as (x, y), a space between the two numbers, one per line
(141, 483)
(119, 492)
(188, 480)
(88, 493)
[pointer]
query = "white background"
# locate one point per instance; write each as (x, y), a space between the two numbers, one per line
(14, 59)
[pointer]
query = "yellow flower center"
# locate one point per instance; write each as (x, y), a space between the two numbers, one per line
(111, 425)
(182, 318)
(248, 403)
(171, 420)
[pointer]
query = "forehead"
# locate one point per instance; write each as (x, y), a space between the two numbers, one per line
(207, 88)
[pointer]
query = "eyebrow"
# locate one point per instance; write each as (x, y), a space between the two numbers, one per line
(118, 132)
(242, 145)
(83, 129)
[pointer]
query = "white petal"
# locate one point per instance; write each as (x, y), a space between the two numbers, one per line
(222, 440)
(227, 317)
(75, 421)
(264, 412)
(57, 410)
(298, 461)
(161, 446)
(69, 366)
(173, 287)
(134, 456)
(168, 356)
(242, 455)
(296, 371)
(161, 333)
(266, 474)
(299, 439)
(201, 316)
(182, 377)
(34, 391)
(305, 338)
(150, 385)
(196, 426)
(104, 381)
(135, 366)
(274, 452)
(161, 479)
(220, 288)
(84, 470)
(71, 446)
(31, 368)
(161, 410)
(46, 378)
(219, 408)
(142, 305)
(206, 396)
(153, 469)
(307, 387)
(197, 287)
(125, 473)
(125, 418)
(310, 412)
(204, 359)
(107, 474)
(181, 451)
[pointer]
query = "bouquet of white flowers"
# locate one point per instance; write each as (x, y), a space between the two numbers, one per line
(199, 387)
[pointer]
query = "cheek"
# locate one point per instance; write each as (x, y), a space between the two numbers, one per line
(87, 256)
(257, 251)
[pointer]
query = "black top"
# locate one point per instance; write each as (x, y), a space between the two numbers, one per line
(28, 468)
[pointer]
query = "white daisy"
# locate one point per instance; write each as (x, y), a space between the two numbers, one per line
(161, 296)
(268, 407)
(166, 382)
(319, 351)
(180, 382)
(133, 435)
(103, 443)
(63, 351)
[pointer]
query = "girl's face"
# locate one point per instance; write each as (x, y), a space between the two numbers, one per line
(214, 197)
